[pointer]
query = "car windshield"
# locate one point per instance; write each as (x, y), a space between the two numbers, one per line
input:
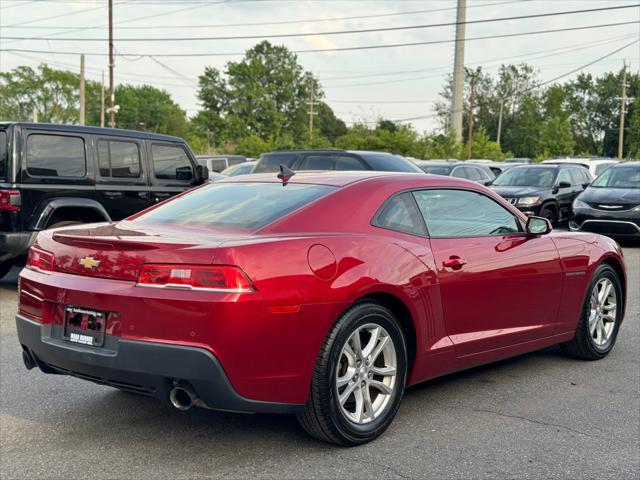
(527, 177)
(619, 177)
(436, 169)
(235, 205)
(602, 167)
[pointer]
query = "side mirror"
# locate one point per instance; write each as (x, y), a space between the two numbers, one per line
(585, 185)
(202, 173)
(538, 226)
(564, 185)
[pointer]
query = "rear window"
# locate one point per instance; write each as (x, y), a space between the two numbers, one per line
(436, 170)
(389, 163)
(236, 205)
(271, 162)
(3, 154)
(55, 156)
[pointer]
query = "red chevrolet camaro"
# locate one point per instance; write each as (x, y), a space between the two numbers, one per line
(322, 295)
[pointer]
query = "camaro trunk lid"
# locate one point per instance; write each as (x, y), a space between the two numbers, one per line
(117, 251)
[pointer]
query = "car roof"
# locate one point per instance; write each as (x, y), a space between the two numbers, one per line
(579, 161)
(94, 130)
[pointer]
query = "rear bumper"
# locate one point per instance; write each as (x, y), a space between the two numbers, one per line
(14, 244)
(145, 367)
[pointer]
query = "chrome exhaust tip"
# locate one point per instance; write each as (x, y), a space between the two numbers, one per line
(28, 360)
(182, 397)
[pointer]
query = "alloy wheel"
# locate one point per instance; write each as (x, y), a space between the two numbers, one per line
(366, 374)
(602, 312)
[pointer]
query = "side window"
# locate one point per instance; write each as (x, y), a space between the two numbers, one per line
(271, 162)
(171, 163)
(564, 176)
(318, 162)
(348, 163)
(578, 176)
(55, 156)
(476, 174)
(462, 213)
(400, 214)
(118, 159)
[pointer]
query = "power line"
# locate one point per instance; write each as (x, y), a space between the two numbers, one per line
(334, 32)
(546, 82)
(282, 22)
(489, 62)
(338, 49)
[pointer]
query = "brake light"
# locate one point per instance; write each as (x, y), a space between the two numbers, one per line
(40, 260)
(225, 278)
(10, 201)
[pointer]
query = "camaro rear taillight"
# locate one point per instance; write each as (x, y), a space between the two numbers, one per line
(226, 278)
(40, 260)
(10, 201)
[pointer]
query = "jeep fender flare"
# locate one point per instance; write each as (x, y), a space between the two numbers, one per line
(46, 211)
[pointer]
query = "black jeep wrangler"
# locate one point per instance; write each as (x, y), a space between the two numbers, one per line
(56, 175)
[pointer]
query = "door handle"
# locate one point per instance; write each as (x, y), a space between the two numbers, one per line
(454, 262)
(113, 194)
(143, 195)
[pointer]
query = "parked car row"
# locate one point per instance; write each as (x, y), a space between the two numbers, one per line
(57, 175)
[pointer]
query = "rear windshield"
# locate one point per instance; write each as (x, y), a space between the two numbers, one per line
(386, 162)
(436, 169)
(271, 162)
(3, 154)
(236, 205)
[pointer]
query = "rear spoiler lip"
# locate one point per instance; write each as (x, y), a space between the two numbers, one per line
(105, 244)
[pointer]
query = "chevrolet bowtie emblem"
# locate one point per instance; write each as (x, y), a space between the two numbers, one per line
(89, 262)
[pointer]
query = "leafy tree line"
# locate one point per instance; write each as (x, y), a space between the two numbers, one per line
(261, 103)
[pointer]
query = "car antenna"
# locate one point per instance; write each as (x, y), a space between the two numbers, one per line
(285, 174)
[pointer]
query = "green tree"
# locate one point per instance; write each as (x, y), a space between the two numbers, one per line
(482, 147)
(52, 94)
(555, 137)
(265, 95)
(145, 108)
(252, 146)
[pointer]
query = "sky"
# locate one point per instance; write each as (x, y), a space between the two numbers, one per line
(396, 83)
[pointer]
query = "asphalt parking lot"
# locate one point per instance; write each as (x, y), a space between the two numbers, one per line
(540, 415)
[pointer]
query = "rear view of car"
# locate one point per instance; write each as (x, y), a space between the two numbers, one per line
(611, 204)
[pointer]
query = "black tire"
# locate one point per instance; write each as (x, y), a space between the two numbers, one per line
(549, 213)
(5, 267)
(583, 345)
(323, 418)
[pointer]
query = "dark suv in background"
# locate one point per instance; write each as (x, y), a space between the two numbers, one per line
(543, 190)
(334, 160)
(57, 175)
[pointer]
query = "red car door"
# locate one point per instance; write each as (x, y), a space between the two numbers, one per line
(499, 286)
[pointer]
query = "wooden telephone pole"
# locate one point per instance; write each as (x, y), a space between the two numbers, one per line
(457, 99)
(623, 107)
(311, 112)
(102, 101)
(112, 111)
(82, 91)
(473, 77)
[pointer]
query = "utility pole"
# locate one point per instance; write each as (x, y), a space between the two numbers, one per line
(500, 121)
(112, 110)
(102, 101)
(472, 99)
(34, 115)
(82, 91)
(311, 103)
(457, 100)
(623, 107)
